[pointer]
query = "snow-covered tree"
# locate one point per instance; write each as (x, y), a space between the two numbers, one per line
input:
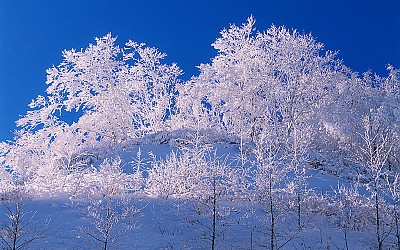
(269, 80)
(121, 92)
(393, 197)
(108, 204)
(18, 226)
(118, 94)
(169, 177)
(50, 160)
(6, 179)
(29, 157)
(351, 211)
(391, 111)
(212, 194)
(373, 155)
(201, 179)
(354, 99)
(269, 177)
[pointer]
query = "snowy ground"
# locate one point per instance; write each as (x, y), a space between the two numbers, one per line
(175, 224)
(163, 226)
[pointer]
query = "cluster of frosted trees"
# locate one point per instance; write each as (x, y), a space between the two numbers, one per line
(286, 102)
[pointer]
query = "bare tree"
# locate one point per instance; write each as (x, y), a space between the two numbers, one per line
(108, 204)
(210, 197)
(269, 175)
(393, 194)
(203, 181)
(351, 210)
(20, 228)
(373, 154)
(296, 149)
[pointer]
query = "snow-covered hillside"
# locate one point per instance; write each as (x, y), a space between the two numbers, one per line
(185, 222)
(275, 144)
(179, 223)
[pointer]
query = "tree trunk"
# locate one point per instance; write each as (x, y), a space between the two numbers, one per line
(346, 240)
(16, 222)
(108, 224)
(397, 229)
(298, 206)
(377, 219)
(214, 214)
(272, 215)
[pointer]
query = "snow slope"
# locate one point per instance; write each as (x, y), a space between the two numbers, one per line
(176, 224)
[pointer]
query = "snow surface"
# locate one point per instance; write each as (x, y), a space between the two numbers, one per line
(161, 228)
(173, 224)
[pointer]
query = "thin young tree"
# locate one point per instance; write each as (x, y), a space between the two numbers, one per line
(20, 228)
(373, 155)
(203, 181)
(297, 147)
(211, 195)
(351, 210)
(108, 204)
(269, 176)
(393, 194)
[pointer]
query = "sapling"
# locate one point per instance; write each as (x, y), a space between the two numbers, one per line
(19, 228)
(108, 204)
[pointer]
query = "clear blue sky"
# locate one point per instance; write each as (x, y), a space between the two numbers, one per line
(34, 32)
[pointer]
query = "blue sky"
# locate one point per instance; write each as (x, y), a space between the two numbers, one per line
(33, 34)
